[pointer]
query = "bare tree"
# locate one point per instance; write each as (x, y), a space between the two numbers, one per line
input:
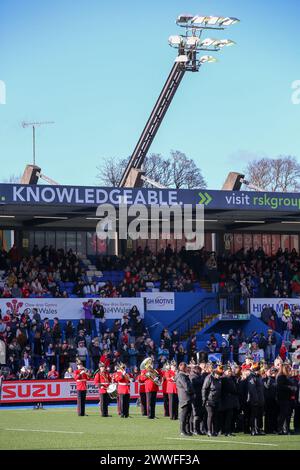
(111, 171)
(275, 174)
(177, 171)
(185, 173)
(158, 169)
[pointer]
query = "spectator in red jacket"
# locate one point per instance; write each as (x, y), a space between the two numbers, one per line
(53, 374)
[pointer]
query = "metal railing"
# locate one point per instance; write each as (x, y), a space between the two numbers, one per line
(194, 315)
(233, 303)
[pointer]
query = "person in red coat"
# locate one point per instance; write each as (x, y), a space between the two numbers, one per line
(81, 376)
(123, 379)
(151, 389)
(172, 391)
(141, 378)
(164, 389)
(102, 379)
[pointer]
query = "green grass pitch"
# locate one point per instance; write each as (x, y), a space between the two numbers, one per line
(61, 428)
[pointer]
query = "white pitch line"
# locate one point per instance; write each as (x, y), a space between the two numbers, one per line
(43, 430)
(223, 442)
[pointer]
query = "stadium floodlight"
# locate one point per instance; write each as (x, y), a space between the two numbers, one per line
(208, 59)
(205, 22)
(176, 41)
(192, 41)
(183, 59)
(184, 19)
(226, 42)
(229, 21)
(217, 43)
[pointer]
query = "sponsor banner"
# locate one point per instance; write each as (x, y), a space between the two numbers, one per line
(93, 196)
(159, 300)
(72, 309)
(257, 305)
(22, 391)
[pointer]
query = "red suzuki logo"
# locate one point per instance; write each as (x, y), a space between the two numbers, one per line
(30, 391)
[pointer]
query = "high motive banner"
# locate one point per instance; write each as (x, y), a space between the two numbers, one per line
(257, 305)
(51, 390)
(159, 300)
(72, 309)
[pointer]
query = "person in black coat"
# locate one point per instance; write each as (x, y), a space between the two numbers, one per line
(285, 389)
(197, 380)
(242, 388)
(211, 397)
(271, 405)
(229, 400)
(256, 400)
(185, 397)
(294, 398)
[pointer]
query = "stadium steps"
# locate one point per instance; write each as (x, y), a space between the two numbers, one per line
(205, 285)
(199, 326)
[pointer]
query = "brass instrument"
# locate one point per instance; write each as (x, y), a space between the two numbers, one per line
(122, 368)
(151, 373)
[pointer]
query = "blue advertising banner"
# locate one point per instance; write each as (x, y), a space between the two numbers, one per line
(93, 196)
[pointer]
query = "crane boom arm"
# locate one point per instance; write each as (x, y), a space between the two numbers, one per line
(153, 123)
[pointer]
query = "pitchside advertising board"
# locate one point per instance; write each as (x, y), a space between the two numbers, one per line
(257, 305)
(51, 391)
(72, 309)
(93, 196)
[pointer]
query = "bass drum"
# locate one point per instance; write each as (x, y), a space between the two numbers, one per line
(112, 391)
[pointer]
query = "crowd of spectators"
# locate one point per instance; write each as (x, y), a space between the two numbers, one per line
(45, 271)
(252, 273)
(47, 349)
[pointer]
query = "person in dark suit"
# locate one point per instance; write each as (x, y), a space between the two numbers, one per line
(211, 397)
(271, 405)
(229, 400)
(197, 380)
(256, 399)
(185, 397)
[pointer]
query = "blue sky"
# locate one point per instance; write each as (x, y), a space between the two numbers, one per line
(96, 68)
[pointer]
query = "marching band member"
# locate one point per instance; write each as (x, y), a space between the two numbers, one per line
(102, 379)
(152, 382)
(164, 373)
(123, 379)
(113, 376)
(171, 390)
(81, 375)
(141, 378)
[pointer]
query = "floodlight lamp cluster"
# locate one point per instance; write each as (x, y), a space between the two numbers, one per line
(205, 22)
(196, 43)
(191, 42)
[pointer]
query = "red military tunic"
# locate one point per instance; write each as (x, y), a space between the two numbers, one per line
(81, 377)
(150, 386)
(141, 380)
(164, 381)
(170, 379)
(123, 381)
(103, 380)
